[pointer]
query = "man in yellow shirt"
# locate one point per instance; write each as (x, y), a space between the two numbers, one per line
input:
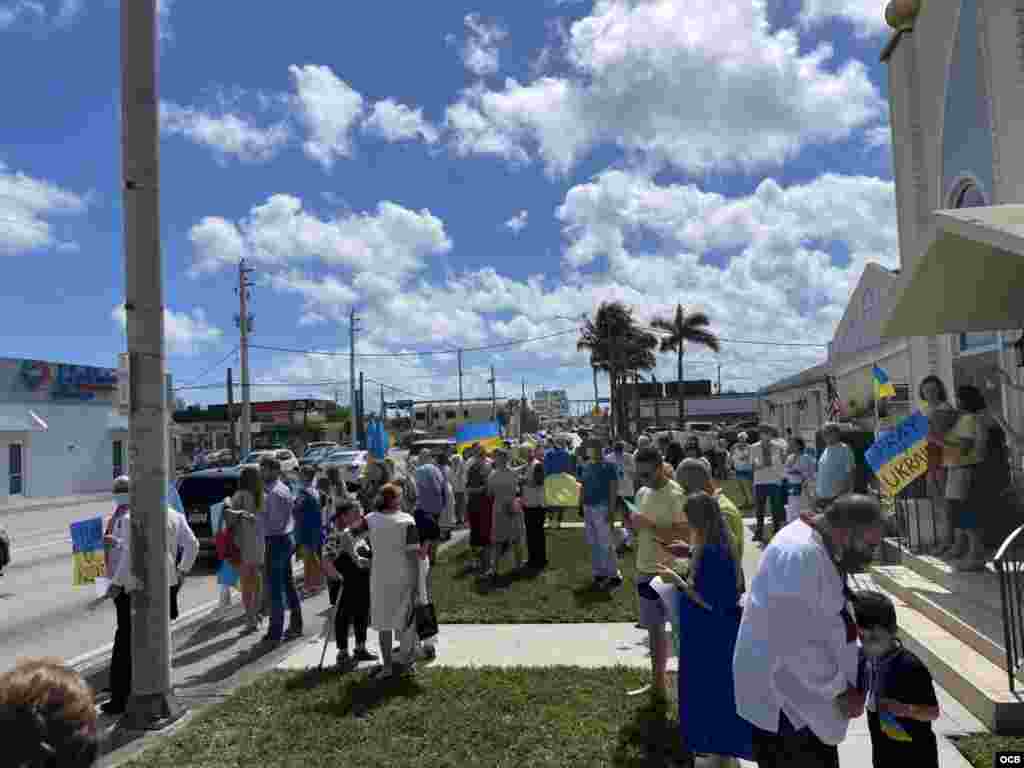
(660, 514)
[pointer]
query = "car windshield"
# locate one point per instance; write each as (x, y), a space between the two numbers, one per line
(284, 455)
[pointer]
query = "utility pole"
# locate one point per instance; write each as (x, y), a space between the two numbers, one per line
(719, 378)
(352, 322)
(152, 702)
(382, 403)
(494, 397)
(460, 384)
(232, 444)
(360, 425)
(244, 321)
(522, 411)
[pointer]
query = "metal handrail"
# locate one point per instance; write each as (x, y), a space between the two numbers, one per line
(1009, 564)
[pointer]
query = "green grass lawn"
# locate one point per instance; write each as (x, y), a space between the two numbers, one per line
(559, 594)
(980, 748)
(558, 716)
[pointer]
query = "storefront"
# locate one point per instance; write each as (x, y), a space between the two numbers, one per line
(58, 429)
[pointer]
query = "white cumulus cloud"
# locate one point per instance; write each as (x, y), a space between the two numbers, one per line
(393, 122)
(701, 86)
(518, 222)
(480, 50)
(26, 206)
(185, 333)
(228, 135)
(329, 108)
(392, 240)
(866, 16)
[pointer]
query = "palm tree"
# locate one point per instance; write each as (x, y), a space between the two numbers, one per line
(683, 328)
(615, 344)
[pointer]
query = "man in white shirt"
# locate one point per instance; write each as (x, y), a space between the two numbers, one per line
(626, 464)
(795, 666)
(768, 456)
(180, 539)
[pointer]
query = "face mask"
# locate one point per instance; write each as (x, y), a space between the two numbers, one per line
(876, 642)
(856, 557)
(122, 499)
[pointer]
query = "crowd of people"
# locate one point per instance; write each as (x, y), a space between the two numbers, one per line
(774, 673)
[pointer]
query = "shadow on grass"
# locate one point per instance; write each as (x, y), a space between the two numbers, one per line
(363, 695)
(651, 739)
(312, 678)
(588, 595)
(486, 586)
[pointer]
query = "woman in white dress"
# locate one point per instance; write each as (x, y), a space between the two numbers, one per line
(394, 578)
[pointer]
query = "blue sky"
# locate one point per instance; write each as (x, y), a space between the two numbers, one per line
(463, 175)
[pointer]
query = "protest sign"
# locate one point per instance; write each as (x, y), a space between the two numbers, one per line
(900, 455)
(87, 551)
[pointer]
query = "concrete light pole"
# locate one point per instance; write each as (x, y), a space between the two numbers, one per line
(151, 704)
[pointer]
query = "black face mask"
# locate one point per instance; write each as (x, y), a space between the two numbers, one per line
(857, 557)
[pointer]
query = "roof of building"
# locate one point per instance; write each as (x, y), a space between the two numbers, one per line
(813, 375)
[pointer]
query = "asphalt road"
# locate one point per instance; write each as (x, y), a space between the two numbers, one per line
(41, 613)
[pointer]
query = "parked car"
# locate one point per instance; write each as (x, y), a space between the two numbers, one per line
(255, 457)
(435, 446)
(314, 456)
(198, 492)
(350, 464)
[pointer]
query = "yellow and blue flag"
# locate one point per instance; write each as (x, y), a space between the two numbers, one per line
(87, 551)
(487, 434)
(883, 387)
(891, 727)
(899, 456)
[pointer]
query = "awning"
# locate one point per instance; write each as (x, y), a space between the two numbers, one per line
(970, 279)
(18, 418)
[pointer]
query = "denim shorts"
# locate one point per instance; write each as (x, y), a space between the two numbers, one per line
(652, 609)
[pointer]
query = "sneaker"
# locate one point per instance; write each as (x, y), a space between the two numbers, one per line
(270, 642)
(293, 633)
(362, 654)
(613, 583)
(429, 652)
(343, 660)
(599, 582)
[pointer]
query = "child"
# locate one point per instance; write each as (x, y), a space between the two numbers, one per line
(347, 558)
(901, 703)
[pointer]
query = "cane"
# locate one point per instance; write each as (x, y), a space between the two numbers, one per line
(329, 625)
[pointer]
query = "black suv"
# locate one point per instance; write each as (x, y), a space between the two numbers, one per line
(200, 490)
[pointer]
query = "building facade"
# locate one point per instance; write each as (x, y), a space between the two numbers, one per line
(551, 403)
(955, 92)
(59, 429)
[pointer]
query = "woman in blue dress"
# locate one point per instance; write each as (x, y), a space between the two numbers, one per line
(709, 619)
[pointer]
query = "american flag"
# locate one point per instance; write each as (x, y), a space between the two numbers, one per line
(833, 410)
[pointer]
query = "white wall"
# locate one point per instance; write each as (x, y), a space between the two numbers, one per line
(52, 469)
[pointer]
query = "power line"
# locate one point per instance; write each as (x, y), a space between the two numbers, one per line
(422, 353)
(663, 332)
(211, 369)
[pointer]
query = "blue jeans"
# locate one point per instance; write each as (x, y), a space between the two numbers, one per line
(603, 561)
(282, 587)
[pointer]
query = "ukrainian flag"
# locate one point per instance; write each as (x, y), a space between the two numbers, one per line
(87, 551)
(487, 434)
(891, 727)
(883, 387)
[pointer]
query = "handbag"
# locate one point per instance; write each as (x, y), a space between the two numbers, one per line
(423, 613)
(227, 547)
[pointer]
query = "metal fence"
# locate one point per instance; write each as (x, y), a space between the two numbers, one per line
(1009, 564)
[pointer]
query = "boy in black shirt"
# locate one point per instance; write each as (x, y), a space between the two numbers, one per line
(901, 703)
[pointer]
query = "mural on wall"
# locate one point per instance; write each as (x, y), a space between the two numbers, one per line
(38, 380)
(967, 124)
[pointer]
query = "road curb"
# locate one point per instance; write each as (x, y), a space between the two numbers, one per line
(88, 499)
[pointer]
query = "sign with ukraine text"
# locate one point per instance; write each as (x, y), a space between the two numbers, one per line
(487, 434)
(87, 551)
(900, 455)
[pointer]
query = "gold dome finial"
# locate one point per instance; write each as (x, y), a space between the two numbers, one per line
(900, 14)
